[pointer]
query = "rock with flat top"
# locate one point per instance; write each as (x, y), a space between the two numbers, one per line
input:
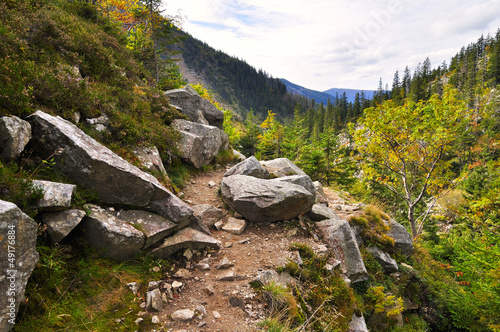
(61, 223)
(184, 239)
(301, 180)
(234, 226)
(321, 212)
(110, 235)
(154, 301)
(183, 315)
(56, 196)
(207, 213)
(265, 200)
(93, 166)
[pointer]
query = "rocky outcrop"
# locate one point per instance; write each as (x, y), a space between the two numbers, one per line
(384, 259)
(110, 235)
(250, 167)
(195, 107)
(321, 212)
(150, 158)
(60, 224)
(265, 200)
(14, 135)
(199, 143)
(187, 238)
(56, 196)
(402, 238)
(357, 324)
(208, 214)
(338, 235)
(282, 167)
(94, 166)
(18, 258)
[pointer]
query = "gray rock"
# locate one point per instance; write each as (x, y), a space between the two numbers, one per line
(282, 167)
(240, 156)
(155, 319)
(250, 167)
(265, 277)
(320, 194)
(17, 237)
(402, 238)
(109, 234)
(265, 200)
(94, 166)
(234, 226)
(183, 315)
(199, 143)
(207, 213)
(100, 123)
(185, 238)
(56, 196)
(321, 212)
(154, 227)
(195, 107)
(300, 180)
(224, 264)
(340, 238)
(150, 158)
(61, 223)
(357, 324)
(154, 301)
(14, 135)
(385, 260)
(134, 287)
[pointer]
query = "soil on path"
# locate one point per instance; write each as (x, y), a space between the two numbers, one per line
(234, 306)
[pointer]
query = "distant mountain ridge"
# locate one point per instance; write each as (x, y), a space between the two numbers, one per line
(323, 97)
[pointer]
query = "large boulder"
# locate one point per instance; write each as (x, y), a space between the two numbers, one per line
(61, 223)
(110, 235)
(56, 195)
(14, 135)
(339, 236)
(250, 167)
(199, 143)
(282, 167)
(321, 212)
(402, 238)
(17, 260)
(195, 107)
(151, 159)
(384, 259)
(265, 200)
(94, 166)
(300, 180)
(208, 214)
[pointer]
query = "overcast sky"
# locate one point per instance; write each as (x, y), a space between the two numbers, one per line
(323, 44)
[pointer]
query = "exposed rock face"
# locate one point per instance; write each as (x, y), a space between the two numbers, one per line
(301, 180)
(61, 223)
(357, 324)
(154, 227)
(56, 196)
(17, 237)
(265, 200)
(282, 167)
(186, 238)
(250, 167)
(385, 260)
(402, 238)
(340, 238)
(195, 107)
(94, 166)
(199, 143)
(111, 235)
(14, 135)
(321, 212)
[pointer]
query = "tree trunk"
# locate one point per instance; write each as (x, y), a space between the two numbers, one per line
(411, 218)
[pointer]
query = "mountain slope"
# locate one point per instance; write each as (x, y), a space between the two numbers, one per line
(350, 93)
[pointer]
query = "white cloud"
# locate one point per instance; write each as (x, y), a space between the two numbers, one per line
(338, 43)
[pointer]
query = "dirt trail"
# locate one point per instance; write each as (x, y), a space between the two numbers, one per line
(262, 246)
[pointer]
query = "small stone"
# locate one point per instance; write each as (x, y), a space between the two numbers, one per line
(153, 285)
(234, 226)
(143, 305)
(229, 245)
(243, 241)
(154, 300)
(209, 290)
(182, 273)
(188, 254)
(236, 302)
(211, 184)
(216, 314)
(155, 319)
(139, 320)
(183, 315)
(202, 267)
(201, 324)
(177, 285)
(156, 269)
(134, 287)
(224, 264)
(201, 309)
